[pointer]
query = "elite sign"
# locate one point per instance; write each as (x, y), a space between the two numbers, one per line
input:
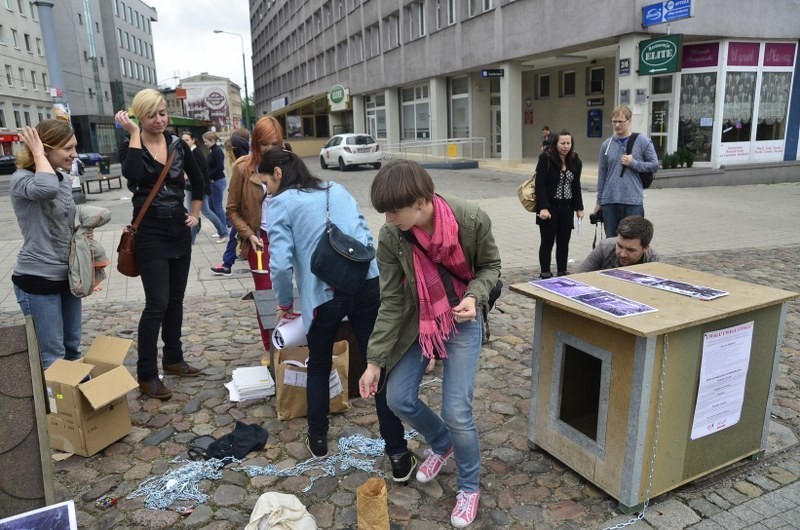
(660, 56)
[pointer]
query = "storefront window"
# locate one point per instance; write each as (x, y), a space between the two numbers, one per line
(772, 105)
(696, 113)
(737, 114)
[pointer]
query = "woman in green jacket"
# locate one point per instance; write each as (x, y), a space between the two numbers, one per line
(438, 262)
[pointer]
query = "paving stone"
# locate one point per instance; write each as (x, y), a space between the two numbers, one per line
(201, 515)
(229, 495)
(159, 436)
(728, 520)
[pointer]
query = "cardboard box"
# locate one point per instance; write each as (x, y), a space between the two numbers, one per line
(88, 398)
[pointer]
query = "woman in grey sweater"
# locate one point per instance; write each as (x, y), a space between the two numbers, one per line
(41, 195)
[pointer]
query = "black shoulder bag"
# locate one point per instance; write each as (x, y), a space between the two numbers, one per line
(339, 260)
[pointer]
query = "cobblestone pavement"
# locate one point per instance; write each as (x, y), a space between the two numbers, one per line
(520, 488)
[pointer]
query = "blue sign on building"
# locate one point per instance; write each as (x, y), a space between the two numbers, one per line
(667, 11)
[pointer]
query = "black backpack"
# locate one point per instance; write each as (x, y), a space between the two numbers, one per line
(646, 177)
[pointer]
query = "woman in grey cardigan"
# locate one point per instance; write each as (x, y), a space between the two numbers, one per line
(41, 195)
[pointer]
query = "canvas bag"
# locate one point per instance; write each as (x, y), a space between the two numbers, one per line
(526, 192)
(290, 381)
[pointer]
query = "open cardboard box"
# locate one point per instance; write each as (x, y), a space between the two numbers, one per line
(88, 398)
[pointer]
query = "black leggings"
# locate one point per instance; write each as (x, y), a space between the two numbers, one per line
(164, 281)
(558, 230)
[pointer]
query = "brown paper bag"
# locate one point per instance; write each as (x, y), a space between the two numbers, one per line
(372, 505)
(290, 381)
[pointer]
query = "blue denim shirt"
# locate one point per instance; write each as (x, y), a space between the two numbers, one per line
(295, 223)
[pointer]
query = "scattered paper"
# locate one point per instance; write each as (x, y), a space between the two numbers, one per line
(289, 332)
(609, 303)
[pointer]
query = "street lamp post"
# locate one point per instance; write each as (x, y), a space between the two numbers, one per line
(244, 69)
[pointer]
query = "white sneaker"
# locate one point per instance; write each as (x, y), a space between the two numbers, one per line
(466, 509)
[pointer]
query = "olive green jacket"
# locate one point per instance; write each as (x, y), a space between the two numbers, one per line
(397, 326)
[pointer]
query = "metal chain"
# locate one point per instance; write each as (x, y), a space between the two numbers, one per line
(641, 515)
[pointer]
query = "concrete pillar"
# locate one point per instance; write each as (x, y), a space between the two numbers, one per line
(438, 108)
(392, 116)
(359, 114)
(511, 113)
(629, 49)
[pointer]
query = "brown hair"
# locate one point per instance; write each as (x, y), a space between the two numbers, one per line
(267, 130)
(622, 110)
(54, 135)
(636, 227)
(398, 184)
(295, 173)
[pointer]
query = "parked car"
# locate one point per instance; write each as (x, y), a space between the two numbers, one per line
(91, 159)
(348, 150)
(8, 164)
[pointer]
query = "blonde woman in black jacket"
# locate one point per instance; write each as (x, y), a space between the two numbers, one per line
(558, 200)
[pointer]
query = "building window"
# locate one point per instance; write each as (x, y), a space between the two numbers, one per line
(14, 39)
(80, 19)
(3, 124)
(698, 96)
(27, 39)
(451, 12)
(40, 113)
(488, 5)
(416, 113)
(459, 107)
(472, 8)
(376, 115)
(772, 105)
(17, 118)
(356, 50)
(373, 40)
(39, 47)
(737, 113)
(9, 77)
(116, 7)
(33, 80)
(421, 22)
(21, 7)
(391, 26)
(22, 78)
(119, 37)
(567, 83)
(543, 86)
(662, 84)
(27, 115)
(44, 80)
(595, 80)
(122, 71)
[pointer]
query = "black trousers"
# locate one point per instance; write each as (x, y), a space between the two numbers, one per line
(556, 230)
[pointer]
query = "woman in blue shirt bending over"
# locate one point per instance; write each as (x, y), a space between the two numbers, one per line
(295, 224)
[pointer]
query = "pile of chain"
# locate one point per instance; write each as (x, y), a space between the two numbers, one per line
(347, 458)
(180, 484)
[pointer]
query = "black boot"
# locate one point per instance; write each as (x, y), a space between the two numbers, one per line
(403, 465)
(545, 275)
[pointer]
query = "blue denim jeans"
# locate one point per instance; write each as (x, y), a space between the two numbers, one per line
(614, 213)
(456, 427)
(208, 213)
(217, 192)
(361, 309)
(229, 256)
(57, 320)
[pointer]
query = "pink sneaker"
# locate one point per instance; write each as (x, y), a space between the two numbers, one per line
(466, 508)
(432, 465)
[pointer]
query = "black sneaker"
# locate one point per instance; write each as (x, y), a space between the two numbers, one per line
(318, 448)
(221, 270)
(544, 275)
(403, 465)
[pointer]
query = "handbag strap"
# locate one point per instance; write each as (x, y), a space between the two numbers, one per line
(328, 205)
(152, 194)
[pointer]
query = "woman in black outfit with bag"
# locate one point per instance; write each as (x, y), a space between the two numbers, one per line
(163, 240)
(558, 199)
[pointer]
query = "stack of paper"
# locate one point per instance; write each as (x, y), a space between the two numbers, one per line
(251, 383)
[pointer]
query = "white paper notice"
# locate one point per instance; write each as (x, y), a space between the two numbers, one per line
(723, 373)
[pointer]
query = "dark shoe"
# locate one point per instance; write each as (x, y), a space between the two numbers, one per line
(221, 270)
(403, 465)
(181, 369)
(155, 388)
(546, 275)
(563, 273)
(318, 448)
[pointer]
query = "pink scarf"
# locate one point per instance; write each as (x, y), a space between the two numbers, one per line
(436, 322)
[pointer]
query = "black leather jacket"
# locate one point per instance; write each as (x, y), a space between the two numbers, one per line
(142, 171)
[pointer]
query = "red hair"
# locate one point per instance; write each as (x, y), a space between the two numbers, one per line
(267, 130)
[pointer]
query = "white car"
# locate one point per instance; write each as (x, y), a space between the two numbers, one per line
(346, 150)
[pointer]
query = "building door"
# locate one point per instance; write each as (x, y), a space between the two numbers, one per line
(372, 125)
(659, 125)
(496, 140)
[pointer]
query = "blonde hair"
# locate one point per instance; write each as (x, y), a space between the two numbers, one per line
(145, 102)
(210, 136)
(622, 110)
(54, 135)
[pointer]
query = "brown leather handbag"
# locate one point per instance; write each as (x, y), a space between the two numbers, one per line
(126, 250)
